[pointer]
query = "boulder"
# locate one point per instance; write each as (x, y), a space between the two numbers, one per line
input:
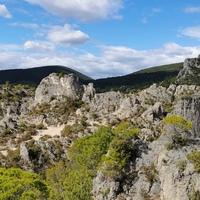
(54, 86)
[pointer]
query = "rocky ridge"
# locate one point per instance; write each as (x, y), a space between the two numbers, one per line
(153, 171)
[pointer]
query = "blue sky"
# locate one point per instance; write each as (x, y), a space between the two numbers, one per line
(102, 38)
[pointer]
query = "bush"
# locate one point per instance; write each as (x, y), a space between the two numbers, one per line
(13, 158)
(181, 165)
(18, 184)
(73, 180)
(179, 125)
(177, 122)
(120, 150)
(194, 158)
(195, 195)
(150, 173)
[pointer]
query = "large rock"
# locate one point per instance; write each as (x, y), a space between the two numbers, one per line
(190, 66)
(55, 86)
(155, 174)
(190, 109)
(114, 104)
(153, 112)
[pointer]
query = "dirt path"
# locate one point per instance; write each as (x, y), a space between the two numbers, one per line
(51, 131)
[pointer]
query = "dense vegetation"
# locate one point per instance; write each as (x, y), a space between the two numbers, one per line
(163, 75)
(72, 179)
(17, 184)
(33, 76)
(84, 158)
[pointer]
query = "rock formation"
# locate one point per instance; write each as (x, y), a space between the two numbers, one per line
(191, 67)
(55, 86)
(154, 171)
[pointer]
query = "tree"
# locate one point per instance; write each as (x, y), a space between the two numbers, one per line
(73, 180)
(22, 185)
(121, 149)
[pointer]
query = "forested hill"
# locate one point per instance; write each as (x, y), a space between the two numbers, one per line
(141, 79)
(138, 80)
(33, 76)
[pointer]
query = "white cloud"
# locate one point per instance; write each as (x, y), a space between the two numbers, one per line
(192, 32)
(4, 12)
(191, 9)
(83, 10)
(38, 46)
(67, 36)
(9, 47)
(25, 25)
(112, 61)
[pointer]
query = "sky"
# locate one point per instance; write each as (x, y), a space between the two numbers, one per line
(99, 38)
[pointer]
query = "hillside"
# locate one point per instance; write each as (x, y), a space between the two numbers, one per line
(81, 145)
(33, 76)
(141, 79)
(137, 80)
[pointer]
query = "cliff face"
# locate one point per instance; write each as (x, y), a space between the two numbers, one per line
(158, 167)
(190, 72)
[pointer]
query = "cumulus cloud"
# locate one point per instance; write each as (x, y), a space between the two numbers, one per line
(4, 12)
(38, 46)
(67, 36)
(112, 60)
(191, 9)
(129, 60)
(192, 32)
(85, 10)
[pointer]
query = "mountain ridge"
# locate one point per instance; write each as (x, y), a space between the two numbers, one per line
(136, 80)
(34, 75)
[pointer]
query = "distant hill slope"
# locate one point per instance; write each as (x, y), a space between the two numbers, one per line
(141, 79)
(35, 75)
(138, 80)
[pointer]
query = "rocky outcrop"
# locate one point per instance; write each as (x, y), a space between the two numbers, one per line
(38, 155)
(152, 172)
(89, 92)
(114, 104)
(155, 172)
(189, 107)
(191, 67)
(153, 112)
(54, 86)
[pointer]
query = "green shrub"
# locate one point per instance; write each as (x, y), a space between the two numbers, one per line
(13, 158)
(7, 131)
(182, 165)
(22, 185)
(120, 150)
(71, 131)
(179, 125)
(195, 195)
(85, 155)
(177, 122)
(150, 173)
(194, 158)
